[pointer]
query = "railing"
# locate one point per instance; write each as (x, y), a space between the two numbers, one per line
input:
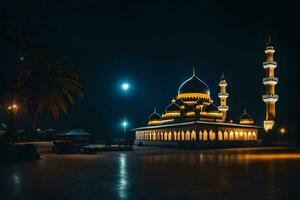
(223, 108)
(269, 64)
(223, 94)
(270, 97)
(270, 80)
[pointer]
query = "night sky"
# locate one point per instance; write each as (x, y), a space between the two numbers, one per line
(154, 45)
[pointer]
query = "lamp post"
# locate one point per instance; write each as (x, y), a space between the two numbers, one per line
(12, 114)
(125, 87)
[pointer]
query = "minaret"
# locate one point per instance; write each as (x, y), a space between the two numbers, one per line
(223, 95)
(270, 81)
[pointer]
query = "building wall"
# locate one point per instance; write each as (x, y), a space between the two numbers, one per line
(198, 134)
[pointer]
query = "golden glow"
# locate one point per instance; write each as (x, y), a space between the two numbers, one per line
(187, 135)
(172, 114)
(166, 120)
(154, 122)
(269, 156)
(190, 102)
(225, 135)
(194, 95)
(246, 121)
(212, 135)
(268, 125)
(13, 106)
(170, 136)
(220, 135)
(190, 114)
(282, 130)
(205, 135)
(193, 135)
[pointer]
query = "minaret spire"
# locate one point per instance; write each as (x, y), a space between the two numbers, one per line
(194, 71)
(270, 81)
(223, 95)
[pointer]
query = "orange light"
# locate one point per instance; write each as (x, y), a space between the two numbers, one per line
(282, 130)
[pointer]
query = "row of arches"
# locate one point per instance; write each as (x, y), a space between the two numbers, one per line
(202, 135)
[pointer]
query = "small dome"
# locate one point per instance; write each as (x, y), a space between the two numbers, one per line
(245, 115)
(154, 116)
(173, 107)
(245, 118)
(211, 108)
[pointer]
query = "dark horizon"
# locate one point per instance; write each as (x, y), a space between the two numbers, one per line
(154, 46)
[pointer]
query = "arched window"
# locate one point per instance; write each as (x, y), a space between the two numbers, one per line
(249, 136)
(241, 136)
(175, 135)
(170, 136)
(205, 134)
(220, 135)
(193, 135)
(154, 135)
(245, 136)
(187, 135)
(166, 136)
(236, 136)
(231, 135)
(225, 135)
(182, 135)
(254, 136)
(200, 135)
(212, 135)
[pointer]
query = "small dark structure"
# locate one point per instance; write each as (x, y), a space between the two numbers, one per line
(71, 141)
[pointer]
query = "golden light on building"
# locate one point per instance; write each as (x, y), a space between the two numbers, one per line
(270, 81)
(192, 116)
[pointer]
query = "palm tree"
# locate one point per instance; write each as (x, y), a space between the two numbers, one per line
(48, 86)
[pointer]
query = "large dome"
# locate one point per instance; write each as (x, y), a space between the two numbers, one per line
(194, 88)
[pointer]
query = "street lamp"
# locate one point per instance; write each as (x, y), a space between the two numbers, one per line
(125, 87)
(12, 114)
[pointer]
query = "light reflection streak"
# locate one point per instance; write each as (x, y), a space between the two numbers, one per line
(268, 156)
(123, 177)
(17, 182)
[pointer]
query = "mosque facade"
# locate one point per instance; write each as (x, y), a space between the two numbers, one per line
(193, 117)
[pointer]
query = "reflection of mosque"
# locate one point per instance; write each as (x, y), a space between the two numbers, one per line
(193, 117)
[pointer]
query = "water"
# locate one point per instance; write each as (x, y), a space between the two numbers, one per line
(157, 173)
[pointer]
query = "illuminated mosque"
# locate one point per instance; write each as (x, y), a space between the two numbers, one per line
(193, 117)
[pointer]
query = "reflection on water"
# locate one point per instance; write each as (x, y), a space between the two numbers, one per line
(123, 177)
(154, 173)
(17, 182)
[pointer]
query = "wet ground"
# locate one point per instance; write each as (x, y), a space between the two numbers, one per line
(156, 173)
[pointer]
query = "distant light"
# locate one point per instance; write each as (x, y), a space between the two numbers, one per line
(124, 123)
(282, 130)
(125, 86)
(21, 58)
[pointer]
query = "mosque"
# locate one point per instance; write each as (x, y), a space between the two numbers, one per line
(194, 118)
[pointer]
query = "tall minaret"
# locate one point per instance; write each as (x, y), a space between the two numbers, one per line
(270, 81)
(223, 95)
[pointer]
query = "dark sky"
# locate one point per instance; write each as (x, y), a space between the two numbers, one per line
(154, 45)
